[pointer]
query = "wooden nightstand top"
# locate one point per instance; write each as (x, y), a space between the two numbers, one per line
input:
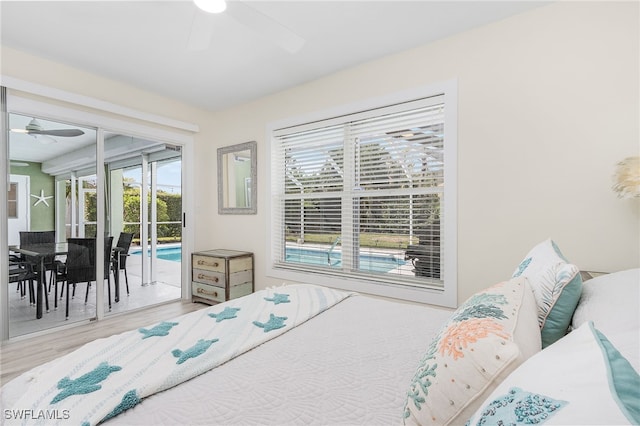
(223, 253)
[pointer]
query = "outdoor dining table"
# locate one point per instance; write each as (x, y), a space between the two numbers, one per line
(38, 252)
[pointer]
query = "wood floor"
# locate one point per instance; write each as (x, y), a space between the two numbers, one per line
(19, 356)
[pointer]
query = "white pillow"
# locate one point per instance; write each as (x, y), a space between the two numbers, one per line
(612, 302)
(485, 339)
(579, 380)
(556, 285)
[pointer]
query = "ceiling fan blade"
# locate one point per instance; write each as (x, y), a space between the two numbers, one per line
(265, 26)
(201, 32)
(62, 132)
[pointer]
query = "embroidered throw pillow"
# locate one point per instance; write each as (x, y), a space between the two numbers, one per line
(485, 339)
(582, 379)
(556, 285)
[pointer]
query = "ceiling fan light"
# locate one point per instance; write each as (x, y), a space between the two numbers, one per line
(211, 6)
(34, 125)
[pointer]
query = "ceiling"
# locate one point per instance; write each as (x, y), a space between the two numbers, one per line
(150, 44)
(60, 155)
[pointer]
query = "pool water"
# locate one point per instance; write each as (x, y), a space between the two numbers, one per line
(368, 262)
(173, 254)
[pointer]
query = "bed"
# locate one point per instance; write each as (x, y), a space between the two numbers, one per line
(322, 356)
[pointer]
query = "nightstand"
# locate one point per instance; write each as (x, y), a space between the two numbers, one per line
(221, 275)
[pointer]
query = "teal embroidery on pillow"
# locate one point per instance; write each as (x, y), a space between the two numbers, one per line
(228, 313)
(519, 407)
(422, 379)
(482, 305)
(161, 329)
(129, 400)
(86, 383)
(274, 323)
(196, 350)
(523, 265)
(558, 252)
(278, 298)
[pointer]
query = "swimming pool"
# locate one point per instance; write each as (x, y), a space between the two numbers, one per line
(368, 262)
(173, 254)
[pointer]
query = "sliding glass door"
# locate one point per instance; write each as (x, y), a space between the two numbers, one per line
(42, 153)
(116, 229)
(145, 210)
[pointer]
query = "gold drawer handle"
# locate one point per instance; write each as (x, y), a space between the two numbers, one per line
(204, 262)
(210, 293)
(207, 277)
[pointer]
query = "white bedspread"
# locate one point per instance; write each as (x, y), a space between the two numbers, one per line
(108, 376)
(350, 365)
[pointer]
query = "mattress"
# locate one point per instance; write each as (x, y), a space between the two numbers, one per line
(351, 364)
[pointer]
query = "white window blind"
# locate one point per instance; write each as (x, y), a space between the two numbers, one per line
(361, 196)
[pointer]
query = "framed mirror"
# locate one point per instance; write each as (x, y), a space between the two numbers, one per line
(237, 193)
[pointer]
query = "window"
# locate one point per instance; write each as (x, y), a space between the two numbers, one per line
(359, 201)
(12, 201)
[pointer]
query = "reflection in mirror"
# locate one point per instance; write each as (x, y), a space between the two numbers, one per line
(237, 179)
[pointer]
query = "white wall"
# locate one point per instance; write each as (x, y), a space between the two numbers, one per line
(548, 103)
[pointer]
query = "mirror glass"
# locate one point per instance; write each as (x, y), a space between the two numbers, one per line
(237, 179)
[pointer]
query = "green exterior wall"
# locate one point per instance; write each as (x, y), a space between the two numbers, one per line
(42, 216)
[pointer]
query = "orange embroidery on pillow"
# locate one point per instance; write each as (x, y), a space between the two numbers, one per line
(459, 335)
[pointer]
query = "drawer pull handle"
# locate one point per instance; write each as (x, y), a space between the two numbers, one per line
(210, 293)
(204, 262)
(207, 277)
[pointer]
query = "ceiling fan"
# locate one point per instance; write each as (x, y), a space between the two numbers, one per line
(202, 28)
(35, 128)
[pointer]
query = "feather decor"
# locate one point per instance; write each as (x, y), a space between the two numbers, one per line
(626, 179)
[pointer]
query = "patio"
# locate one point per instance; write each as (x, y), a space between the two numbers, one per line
(22, 316)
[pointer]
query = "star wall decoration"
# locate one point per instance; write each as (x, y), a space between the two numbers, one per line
(41, 198)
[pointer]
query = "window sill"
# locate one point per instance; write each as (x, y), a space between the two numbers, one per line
(410, 293)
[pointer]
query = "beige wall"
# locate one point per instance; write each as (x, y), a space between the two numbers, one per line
(548, 102)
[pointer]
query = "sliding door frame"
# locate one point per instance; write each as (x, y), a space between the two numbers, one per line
(42, 104)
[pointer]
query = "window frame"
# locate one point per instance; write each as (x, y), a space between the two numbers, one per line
(445, 296)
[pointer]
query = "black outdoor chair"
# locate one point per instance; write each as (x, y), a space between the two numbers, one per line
(42, 237)
(425, 256)
(80, 267)
(22, 273)
(124, 243)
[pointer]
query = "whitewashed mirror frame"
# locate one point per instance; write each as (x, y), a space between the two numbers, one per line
(237, 189)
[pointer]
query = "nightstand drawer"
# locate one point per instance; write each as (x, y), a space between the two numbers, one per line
(240, 290)
(209, 263)
(240, 264)
(209, 292)
(240, 278)
(208, 277)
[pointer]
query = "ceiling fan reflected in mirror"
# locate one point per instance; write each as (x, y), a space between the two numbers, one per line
(265, 26)
(34, 128)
